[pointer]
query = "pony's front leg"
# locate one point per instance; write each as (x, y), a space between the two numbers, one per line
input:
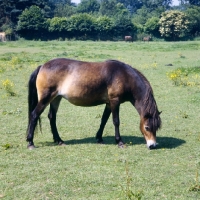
(104, 119)
(52, 118)
(115, 114)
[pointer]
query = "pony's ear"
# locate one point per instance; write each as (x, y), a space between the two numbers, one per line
(159, 112)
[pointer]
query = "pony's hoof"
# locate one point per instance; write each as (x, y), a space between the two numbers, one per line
(61, 144)
(100, 141)
(31, 147)
(121, 145)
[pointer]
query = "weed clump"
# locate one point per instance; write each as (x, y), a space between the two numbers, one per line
(195, 187)
(8, 87)
(127, 190)
(185, 76)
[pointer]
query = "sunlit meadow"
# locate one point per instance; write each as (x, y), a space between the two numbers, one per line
(82, 169)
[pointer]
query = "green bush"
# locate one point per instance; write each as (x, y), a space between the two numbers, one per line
(82, 25)
(152, 26)
(31, 23)
(104, 27)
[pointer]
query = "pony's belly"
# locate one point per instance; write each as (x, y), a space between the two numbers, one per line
(85, 100)
(80, 97)
(81, 94)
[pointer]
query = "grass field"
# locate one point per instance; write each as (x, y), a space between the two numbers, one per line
(82, 169)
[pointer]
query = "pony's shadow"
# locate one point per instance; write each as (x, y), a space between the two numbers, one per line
(163, 142)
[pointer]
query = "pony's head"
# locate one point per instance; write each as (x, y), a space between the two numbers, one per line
(149, 124)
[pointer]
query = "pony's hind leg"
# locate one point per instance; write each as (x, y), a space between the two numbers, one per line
(52, 118)
(104, 119)
(34, 116)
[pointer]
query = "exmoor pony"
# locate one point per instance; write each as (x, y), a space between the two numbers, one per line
(89, 84)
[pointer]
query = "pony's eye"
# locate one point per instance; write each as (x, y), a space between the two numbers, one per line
(147, 128)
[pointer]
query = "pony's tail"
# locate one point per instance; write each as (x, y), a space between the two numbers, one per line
(32, 95)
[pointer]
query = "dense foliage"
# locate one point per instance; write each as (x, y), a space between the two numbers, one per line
(31, 22)
(173, 24)
(104, 20)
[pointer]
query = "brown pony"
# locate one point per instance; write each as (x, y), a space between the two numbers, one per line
(148, 38)
(128, 38)
(89, 84)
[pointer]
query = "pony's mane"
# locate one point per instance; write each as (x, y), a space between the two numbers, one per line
(150, 107)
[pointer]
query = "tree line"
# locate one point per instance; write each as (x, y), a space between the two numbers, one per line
(99, 19)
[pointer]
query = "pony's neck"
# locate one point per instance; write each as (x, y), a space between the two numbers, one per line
(146, 103)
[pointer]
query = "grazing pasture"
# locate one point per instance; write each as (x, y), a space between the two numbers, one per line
(83, 169)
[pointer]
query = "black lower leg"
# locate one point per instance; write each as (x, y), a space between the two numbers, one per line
(116, 122)
(104, 120)
(31, 130)
(52, 118)
(118, 138)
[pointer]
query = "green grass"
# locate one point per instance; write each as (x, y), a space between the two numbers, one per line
(82, 169)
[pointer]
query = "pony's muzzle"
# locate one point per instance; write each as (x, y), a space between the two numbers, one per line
(151, 144)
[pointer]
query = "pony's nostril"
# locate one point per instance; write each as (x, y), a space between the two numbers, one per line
(152, 147)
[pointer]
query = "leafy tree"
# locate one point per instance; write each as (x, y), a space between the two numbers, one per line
(193, 14)
(6, 7)
(65, 10)
(82, 25)
(147, 11)
(173, 24)
(124, 26)
(152, 26)
(108, 7)
(11, 9)
(137, 4)
(59, 27)
(104, 27)
(153, 4)
(134, 5)
(58, 24)
(111, 8)
(31, 23)
(141, 16)
(62, 2)
(88, 6)
(195, 2)
(121, 10)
